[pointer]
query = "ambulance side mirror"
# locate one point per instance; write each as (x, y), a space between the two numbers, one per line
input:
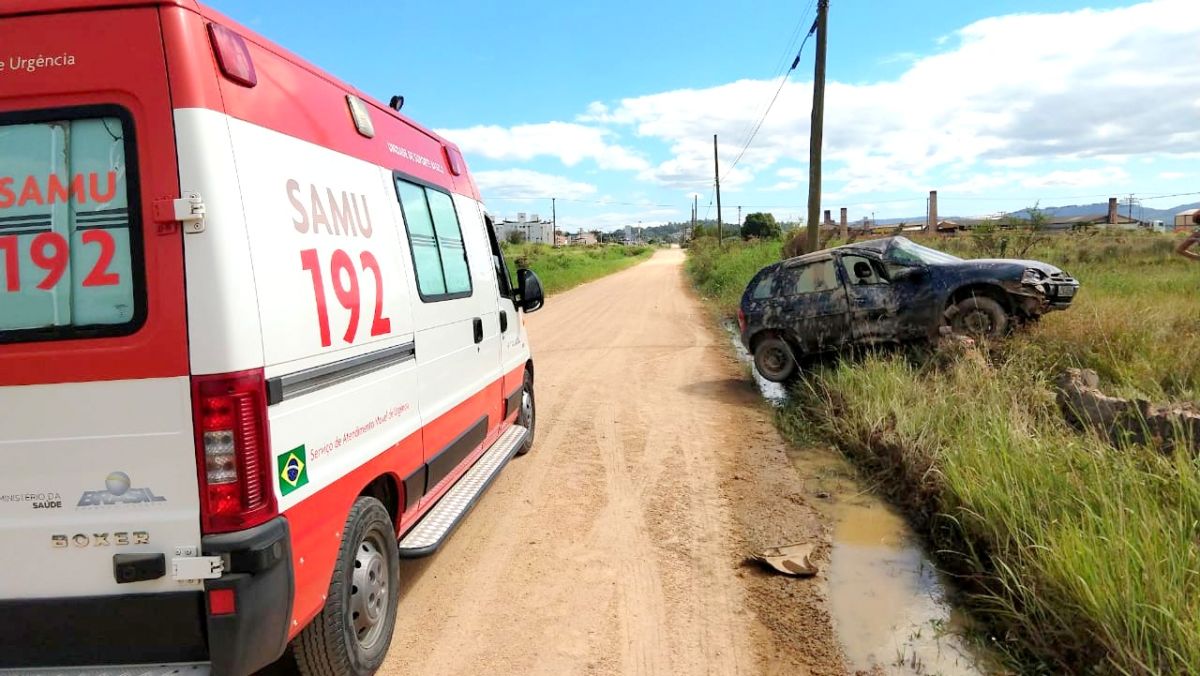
(532, 297)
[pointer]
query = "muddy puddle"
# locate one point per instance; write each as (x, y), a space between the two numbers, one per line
(890, 605)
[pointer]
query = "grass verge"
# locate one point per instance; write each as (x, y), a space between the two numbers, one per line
(1082, 557)
(561, 268)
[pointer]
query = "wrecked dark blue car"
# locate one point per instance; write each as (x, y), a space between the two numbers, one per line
(888, 290)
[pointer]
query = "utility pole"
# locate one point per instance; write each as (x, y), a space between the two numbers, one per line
(554, 221)
(817, 128)
(739, 215)
(717, 175)
(1131, 207)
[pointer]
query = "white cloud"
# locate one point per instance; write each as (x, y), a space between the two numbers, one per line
(1172, 175)
(571, 143)
(1082, 178)
(619, 219)
(523, 183)
(1007, 92)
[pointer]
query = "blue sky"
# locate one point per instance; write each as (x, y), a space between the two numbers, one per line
(611, 106)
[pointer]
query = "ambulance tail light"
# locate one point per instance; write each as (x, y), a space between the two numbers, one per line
(233, 56)
(232, 451)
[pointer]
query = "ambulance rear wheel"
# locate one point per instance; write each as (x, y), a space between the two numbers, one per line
(351, 634)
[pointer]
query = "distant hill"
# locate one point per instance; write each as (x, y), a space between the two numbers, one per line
(1142, 213)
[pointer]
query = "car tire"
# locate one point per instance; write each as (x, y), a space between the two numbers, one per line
(352, 633)
(774, 359)
(979, 317)
(527, 414)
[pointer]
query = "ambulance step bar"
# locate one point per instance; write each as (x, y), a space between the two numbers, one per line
(114, 670)
(433, 529)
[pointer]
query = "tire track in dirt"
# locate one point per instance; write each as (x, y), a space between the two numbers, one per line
(615, 546)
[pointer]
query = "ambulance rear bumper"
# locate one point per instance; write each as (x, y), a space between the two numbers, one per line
(259, 571)
(164, 633)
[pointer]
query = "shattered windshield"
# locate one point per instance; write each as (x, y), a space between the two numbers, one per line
(909, 253)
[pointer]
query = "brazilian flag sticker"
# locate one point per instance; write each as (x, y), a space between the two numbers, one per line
(293, 471)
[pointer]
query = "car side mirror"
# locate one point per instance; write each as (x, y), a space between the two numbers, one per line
(862, 270)
(532, 297)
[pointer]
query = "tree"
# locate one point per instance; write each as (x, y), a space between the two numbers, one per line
(1017, 234)
(515, 237)
(761, 226)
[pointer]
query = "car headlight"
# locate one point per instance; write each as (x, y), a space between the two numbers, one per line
(1033, 277)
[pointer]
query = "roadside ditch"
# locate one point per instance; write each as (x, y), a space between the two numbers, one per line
(893, 610)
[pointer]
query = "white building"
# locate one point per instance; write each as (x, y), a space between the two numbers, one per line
(532, 228)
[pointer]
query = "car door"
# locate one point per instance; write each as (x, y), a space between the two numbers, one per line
(814, 305)
(873, 307)
(513, 347)
(454, 369)
(915, 287)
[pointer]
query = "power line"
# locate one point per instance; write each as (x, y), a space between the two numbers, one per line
(781, 63)
(1178, 194)
(782, 82)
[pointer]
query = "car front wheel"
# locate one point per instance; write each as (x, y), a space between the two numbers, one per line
(774, 359)
(978, 317)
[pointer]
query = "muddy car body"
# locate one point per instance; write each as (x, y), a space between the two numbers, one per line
(886, 291)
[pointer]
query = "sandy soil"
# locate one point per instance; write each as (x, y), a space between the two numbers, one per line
(616, 546)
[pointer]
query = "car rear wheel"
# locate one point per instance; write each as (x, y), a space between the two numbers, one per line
(351, 634)
(979, 317)
(774, 359)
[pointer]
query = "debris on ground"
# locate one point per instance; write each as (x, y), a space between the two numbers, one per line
(1130, 420)
(951, 348)
(794, 560)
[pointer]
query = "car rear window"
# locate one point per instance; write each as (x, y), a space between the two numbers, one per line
(812, 278)
(762, 290)
(69, 264)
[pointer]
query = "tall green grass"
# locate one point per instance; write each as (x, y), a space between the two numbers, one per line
(1083, 557)
(561, 268)
(1136, 321)
(721, 274)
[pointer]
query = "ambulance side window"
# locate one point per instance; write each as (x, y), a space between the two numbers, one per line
(502, 278)
(435, 237)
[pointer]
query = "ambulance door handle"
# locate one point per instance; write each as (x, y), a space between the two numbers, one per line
(503, 321)
(478, 323)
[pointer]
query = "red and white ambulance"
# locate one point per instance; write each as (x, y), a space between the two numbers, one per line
(257, 342)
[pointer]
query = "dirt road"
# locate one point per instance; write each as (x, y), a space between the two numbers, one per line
(615, 547)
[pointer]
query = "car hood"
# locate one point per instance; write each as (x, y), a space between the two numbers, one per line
(1012, 264)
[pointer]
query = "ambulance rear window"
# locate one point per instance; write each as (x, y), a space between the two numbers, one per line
(69, 264)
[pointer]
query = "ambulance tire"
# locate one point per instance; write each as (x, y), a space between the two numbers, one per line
(527, 416)
(352, 633)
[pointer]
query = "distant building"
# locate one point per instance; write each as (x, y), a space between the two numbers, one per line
(1116, 221)
(582, 238)
(532, 229)
(1184, 219)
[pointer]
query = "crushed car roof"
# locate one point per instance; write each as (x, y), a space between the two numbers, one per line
(879, 246)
